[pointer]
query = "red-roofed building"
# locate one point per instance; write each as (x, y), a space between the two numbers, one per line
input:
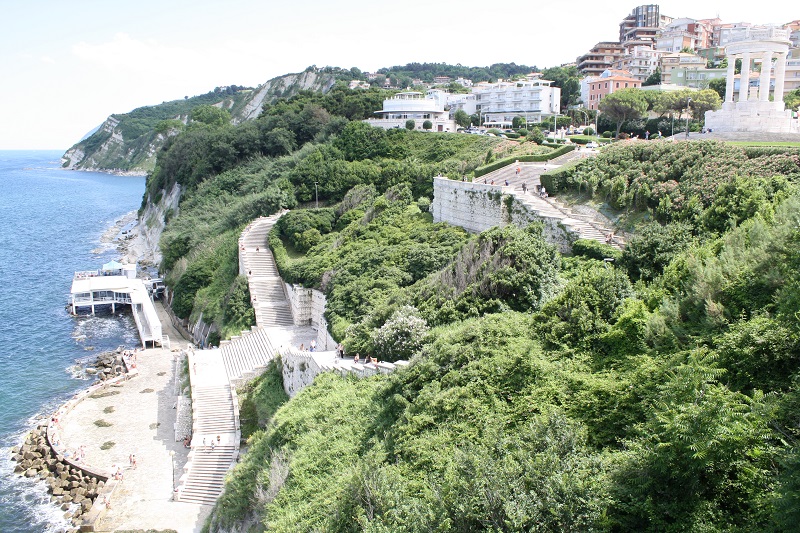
(602, 87)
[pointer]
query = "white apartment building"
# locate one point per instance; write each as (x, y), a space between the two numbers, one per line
(535, 100)
(413, 105)
(640, 61)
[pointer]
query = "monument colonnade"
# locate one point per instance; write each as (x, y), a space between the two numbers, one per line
(766, 43)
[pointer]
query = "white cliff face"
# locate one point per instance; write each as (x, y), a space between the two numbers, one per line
(115, 152)
(143, 245)
(309, 79)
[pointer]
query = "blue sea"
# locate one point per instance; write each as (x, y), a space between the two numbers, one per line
(52, 223)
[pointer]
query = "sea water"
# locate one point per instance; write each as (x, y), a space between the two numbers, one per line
(52, 223)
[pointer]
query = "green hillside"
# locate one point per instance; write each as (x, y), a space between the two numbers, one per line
(546, 392)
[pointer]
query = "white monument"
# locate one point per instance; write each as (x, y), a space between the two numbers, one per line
(752, 111)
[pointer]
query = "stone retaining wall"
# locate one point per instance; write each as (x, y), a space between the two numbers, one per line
(308, 309)
(477, 207)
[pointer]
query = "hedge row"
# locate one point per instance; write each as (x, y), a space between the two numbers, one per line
(561, 150)
(559, 178)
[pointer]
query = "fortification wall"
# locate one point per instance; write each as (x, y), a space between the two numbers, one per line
(475, 207)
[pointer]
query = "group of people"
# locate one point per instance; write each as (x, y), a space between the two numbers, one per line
(213, 444)
(367, 359)
(312, 346)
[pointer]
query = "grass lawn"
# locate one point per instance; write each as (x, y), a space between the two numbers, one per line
(764, 143)
(589, 138)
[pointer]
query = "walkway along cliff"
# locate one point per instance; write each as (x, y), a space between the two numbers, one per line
(286, 316)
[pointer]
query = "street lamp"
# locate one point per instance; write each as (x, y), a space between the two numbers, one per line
(688, 99)
(316, 196)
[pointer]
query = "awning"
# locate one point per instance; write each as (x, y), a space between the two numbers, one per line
(113, 265)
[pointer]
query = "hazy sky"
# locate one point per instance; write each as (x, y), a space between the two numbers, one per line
(65, 66)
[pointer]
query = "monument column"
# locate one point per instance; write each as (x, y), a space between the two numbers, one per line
(729, 77)
(744, 79)
(780, 78)
(763, 85)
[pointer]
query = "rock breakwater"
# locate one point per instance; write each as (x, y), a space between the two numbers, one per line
(72, 488)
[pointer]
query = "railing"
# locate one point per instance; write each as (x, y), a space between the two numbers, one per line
(83, 274)
(101, 300)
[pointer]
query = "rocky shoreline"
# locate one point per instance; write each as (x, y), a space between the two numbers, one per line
(74, 490)
(72, 485)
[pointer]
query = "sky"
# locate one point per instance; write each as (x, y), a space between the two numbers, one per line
(66, 66)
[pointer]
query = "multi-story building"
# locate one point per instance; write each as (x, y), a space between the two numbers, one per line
(727, 32)
(464, 82)
(792, 76)
(679, 60)
(640, 61)
(600, 58)
(642, 24)
(685, 33)
(412, 105)
(607, 83)
(441, 80)
(713, 55)
(535, 100)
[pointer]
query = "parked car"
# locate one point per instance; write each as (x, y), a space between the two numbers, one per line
(593, 145)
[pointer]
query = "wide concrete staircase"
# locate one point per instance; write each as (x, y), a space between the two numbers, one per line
(207, 475)
(583, 226)
(266, 285)
(215, 419)
(247, 355)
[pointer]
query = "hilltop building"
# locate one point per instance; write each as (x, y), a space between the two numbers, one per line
(607, 83)
(688, 70)
(600, 58)
(416, 106)
(642, 25)
(686, 33)
(534, 99)
(639, 61)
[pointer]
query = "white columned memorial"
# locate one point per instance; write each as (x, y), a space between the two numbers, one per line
(766, 68)
(752, 111)
(729, 78)
(780, 79)
(744, 79)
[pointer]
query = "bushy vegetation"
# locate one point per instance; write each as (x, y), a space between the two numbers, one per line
(232, 175)
(710, 185)
(654, 392)
(608, 409)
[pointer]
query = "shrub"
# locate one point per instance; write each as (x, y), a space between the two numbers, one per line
(595, 250)
(523, 132)
(424, 204)
(608, 134)
(588, 131)
(427, 125)
(411, 124)
(536, 136)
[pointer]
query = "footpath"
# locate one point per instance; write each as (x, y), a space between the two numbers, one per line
(586, 223)
(136, 417)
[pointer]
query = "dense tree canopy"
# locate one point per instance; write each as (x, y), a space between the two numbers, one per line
(622, 105)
